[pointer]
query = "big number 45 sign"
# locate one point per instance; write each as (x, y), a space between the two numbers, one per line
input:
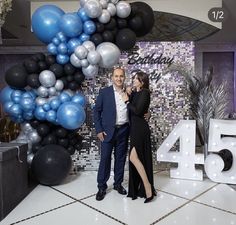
(187, 158)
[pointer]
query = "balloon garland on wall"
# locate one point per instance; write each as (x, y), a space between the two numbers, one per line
(43, 92)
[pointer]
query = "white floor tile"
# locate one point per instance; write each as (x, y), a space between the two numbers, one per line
(183, 188)
(196, 214)
(82, 184)
(41, 199)
(133, 212)
(73, 214)
(222, 196)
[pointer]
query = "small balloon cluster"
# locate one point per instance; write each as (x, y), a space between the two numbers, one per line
(93, 36)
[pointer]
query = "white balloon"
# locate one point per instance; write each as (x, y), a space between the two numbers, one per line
(91, 71)
(114, 1)
(111, 8)
(75, 61)
(40, 101)
(81, 52)
(42, 91)
(93, 57)
(89, 45)
(110, 54)
(82, 2)
(52, 91)
(104, 3)
(123, 9)
(34, 137)
(47, 78)
(93, 8)
(105, 16)
(59, 85)
(84, 63)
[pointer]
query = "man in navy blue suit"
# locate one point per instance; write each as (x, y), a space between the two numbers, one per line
(112, 127)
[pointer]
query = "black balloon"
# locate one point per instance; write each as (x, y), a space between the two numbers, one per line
(73, 85)
(31, 66)
(42, 65)
(51, 164)
(36, 147)
(63, 142)
(69, 78)
(61, 132)
(50, 59)
(125, 39)
(108, 36)
(96, 39)
(69, 69)
(57, 69)
(79, 77)
(49, 139)
(16, 77)
(71, 150)
(43, 130)
(34, 123)
(147, 15)
(38, 57)
(136, 23)
(33, 80)
(99, 27)
(65, 82)
(121, 23)
(111, 24)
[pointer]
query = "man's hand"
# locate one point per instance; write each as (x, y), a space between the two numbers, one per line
(101, 136)
(147, 116)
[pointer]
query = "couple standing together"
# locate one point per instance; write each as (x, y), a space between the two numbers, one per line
(118, 115)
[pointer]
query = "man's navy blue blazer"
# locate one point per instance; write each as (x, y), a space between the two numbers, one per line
(105, 112)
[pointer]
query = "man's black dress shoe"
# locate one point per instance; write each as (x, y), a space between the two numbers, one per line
(120, 189)
(100, 195)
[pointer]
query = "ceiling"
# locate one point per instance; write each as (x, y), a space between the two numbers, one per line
(168, 27)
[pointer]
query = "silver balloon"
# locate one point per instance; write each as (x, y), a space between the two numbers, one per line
(82, 2)
(42, 91)
(123, 9)
(34, 137)
(30, 158)
(69, 92)
(40, 101)
(111, 8)
(84, 63)
(114, 1)
(89, 45)
(110, 54)
(93, 8)
(52, 91)
(47, 78)
(75, 61)
(26, 128)
(104, 3)
(105, 17)
(59, 85)
(91, 71)
(81, 52)
(93, 57)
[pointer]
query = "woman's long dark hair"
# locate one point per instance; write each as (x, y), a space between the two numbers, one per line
(143, 78)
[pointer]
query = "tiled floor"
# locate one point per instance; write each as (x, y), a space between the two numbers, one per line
(181, 202)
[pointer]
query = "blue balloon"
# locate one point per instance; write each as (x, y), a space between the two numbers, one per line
(62, 49)
(27, 104)
(28, 115)
(89, 27)
(16, 93)
(7, 106)
(63, 59)
(5, 94)
(52, 48)
(17, 119)
(15, 110)
(39, 113)
(56, 41)
(45, 22)
(26, 95)
(84, 37)
(46, 107)
(32, 93)
(83, 15)
(80, 99)
(71, 25)
(73, 43)
(64, 97)
(51, 116)
(55, 103)
(61, 37)
(71, 115)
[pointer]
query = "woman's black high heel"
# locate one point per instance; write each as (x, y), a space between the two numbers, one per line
(154, 193)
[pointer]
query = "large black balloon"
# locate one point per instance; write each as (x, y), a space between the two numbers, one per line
(96, 39)
(69, 69)
(31, 66)
(147, 15)
(33, 80)
(43, 130)
(79, 77)
(108, 36)
(51, 164)
(227, 157)
(16, 77)
(125, 39)
(57, 69)
(136, 23)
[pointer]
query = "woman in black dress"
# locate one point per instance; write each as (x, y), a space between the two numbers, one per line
(140, 155)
